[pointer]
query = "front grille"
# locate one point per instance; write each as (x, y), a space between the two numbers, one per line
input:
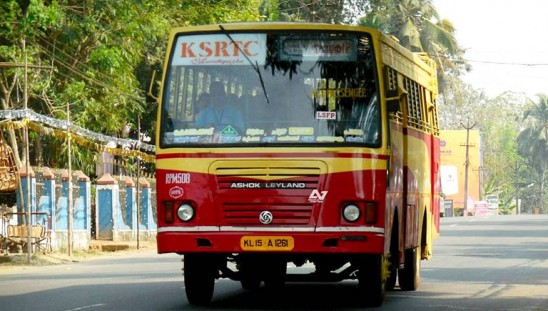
(242, 214)
(282, 187)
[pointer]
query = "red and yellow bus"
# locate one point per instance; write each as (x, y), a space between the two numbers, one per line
(295, 144)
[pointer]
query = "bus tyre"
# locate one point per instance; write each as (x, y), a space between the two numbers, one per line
(249, 276)
(392, 276)
(251, 283)
(371, 281)
(410, 276)
(199, 275)
(275, 275)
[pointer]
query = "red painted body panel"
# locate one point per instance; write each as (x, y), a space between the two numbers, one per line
(221, 205)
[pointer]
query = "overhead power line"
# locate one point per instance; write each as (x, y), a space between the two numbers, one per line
(19, 65)
(507, 63)
(94, 81)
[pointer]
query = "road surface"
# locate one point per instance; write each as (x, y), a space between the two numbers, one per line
(479, 263)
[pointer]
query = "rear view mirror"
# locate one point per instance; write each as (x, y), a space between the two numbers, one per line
(152, 81)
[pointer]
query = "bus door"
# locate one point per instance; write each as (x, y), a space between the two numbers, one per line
(397, 189)
(411, 161)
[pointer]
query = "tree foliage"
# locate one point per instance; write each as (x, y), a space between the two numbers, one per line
(533, 146)
(321, 11)
(419, 27)
(197, 12)
(100, 56)
(495, 118)
(96, 58)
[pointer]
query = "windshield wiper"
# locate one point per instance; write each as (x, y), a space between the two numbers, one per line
(254, 65)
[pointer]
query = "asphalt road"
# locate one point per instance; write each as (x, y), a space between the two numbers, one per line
(479, 263)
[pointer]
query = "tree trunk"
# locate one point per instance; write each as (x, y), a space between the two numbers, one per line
(15, 147)
(11, 133)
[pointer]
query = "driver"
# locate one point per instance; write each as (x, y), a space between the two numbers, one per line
(219, 114)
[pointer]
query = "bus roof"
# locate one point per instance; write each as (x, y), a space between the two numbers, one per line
(419, 58)
(425, 63)
(271, 26)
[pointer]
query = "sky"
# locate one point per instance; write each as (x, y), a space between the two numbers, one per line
(506, 43)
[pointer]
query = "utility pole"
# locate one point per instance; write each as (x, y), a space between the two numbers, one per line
(26, 134)
(28, 214)
(26, 66)
(480, 181)
(69, 195)
(468, 127)
(138, 198)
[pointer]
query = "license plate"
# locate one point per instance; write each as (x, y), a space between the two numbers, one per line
(267, 243)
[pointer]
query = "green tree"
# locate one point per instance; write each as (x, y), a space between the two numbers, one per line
(322, 11)
(20, 23)
(196, 12)
(95, 50)
(502, 168)
(533, 142)
(419, 27)
(499, 130)
(102, 54)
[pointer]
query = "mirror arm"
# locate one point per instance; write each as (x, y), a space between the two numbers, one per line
(150, 87)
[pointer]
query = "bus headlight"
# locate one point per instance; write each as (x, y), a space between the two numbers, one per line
(185, 212)
(351, 212)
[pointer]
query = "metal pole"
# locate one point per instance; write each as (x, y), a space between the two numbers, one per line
(517, 199)
(69, 198)
(26, 134)
(138, 198)
(480, 182)
(466, 165)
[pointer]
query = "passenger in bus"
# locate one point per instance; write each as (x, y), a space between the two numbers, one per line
(203, 102)
(219, 114)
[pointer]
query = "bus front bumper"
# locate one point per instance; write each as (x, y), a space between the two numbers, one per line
(358, 242)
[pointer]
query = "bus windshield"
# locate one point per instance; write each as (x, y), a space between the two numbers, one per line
(271, 88)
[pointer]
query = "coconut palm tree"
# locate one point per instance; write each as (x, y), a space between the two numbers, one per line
(416, 23)
(533, 140)
(418, 26)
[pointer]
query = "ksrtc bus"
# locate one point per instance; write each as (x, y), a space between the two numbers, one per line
(290, 143)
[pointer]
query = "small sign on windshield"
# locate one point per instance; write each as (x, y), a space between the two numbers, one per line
(325, 49)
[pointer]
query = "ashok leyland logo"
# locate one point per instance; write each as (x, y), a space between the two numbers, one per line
(317, 197)
(265, 217)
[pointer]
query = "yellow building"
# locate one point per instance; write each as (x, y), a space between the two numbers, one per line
(453, 160)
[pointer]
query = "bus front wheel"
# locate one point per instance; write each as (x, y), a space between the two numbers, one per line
(250, 277)
(199, 275)
(371, 281)
(275, 274)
